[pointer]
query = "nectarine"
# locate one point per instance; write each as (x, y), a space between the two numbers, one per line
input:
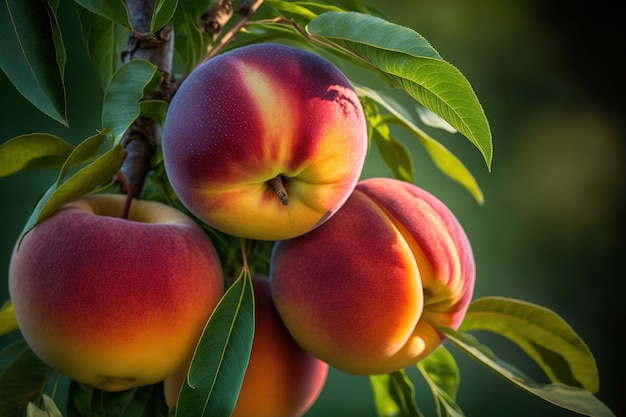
(282, 380)
(110, 302)
(265, 141)
(366, 291)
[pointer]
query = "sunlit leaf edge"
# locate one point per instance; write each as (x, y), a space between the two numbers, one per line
(571, 398)
(435, 83)
(529, 326)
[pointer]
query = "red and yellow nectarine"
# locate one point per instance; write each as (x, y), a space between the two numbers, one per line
(265, 141)
(110, 302)
(282, 380)
(366, 291)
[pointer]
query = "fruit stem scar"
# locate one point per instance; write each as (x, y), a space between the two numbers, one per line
(277, 185)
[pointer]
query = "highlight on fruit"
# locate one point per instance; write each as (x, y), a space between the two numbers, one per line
(265, 141)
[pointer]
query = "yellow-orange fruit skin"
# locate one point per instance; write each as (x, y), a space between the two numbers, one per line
(110, 302)
(282, 380)
(255, 113)
(365, 291)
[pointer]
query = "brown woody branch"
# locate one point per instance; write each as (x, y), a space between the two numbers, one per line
(144, 134)
(141, 138)
(246, 10)
(213, 21)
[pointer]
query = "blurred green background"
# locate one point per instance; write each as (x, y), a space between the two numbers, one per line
(550, 231)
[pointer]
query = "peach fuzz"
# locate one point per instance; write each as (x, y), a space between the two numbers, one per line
(257, 118)
(282, 380)
(110, 302)
(366, 291)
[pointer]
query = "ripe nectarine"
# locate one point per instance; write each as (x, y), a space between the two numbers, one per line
(366, 291)
(282, 380)
(265, 141)
(110, 302)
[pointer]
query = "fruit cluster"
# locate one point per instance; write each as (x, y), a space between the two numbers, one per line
(264, 142)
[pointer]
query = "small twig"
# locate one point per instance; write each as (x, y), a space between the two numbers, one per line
(213, 21)
(311, 38)
(247, 9)
(120, 178)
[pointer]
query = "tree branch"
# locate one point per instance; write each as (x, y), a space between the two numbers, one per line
(213, 21)
(246, 10)
(141, 138)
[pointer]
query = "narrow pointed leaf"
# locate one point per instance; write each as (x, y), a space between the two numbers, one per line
(57, 36)
(292, 9)
(99, 172)
(114, 10)
(29, 38)
(442, 375)
(121, 100)
(222, 355)
(542, 334)
(190, 43)
(8, 322)
(413, 65)
(47, 409)
(394, 395)
(395, 153)
(441, 156)
(83, 153)
(163, 12)
(568, 397)
(33, 151)
(104, 40)
(431, 119)
(22, 377)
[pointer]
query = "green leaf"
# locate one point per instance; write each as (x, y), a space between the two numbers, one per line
(198, 7)
(22, 377)
(114, 10)
(190, 42)
(431, 119)
(8, 322)
(571, 398)
(395, 154)
(542, 334)
(85, 180)
(33, 151)
(84, 152)
(413, 65)
(47, 409)
(441, 156)
(394, 395)
(57, 36)
(442, 375)
(163, 12)
(121, 99)
(29, 39)
(145, 401)
(300, 9)
(154, 109)
(104, 40)
(219, 363)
